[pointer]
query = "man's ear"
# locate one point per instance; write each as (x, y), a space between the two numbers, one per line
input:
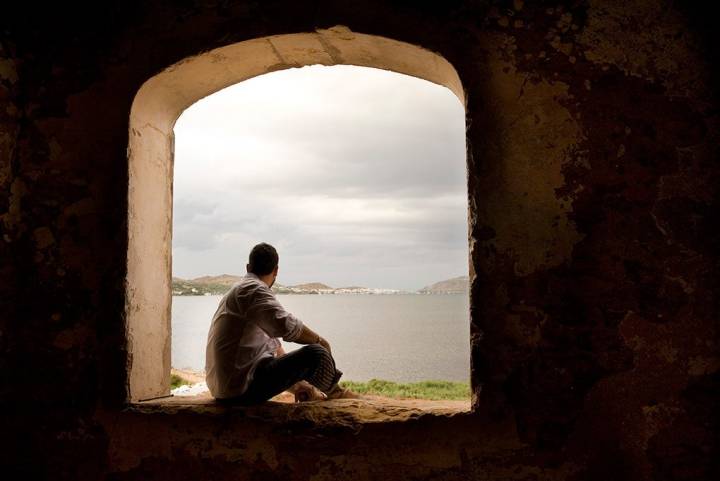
(247, 268)
(275, 271)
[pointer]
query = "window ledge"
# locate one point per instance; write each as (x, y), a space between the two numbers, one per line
(337, 412)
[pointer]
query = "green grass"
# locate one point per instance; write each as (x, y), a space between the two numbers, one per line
(176, 381)
(434, 390)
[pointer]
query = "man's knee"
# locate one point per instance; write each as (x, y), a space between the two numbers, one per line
(315, 350)
(316, 354)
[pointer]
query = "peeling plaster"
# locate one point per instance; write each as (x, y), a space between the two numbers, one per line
(12, 218)
(8, 71)
(43, 237)
(7, 148)
(539, 136)
(652, 28)
(700, 366)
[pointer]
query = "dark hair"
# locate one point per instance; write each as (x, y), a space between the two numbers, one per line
(263, 259)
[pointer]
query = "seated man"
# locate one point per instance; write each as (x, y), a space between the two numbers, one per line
(244, 360)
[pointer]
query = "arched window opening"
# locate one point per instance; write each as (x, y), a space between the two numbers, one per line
(155, 110)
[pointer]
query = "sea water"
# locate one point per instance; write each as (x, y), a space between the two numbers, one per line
(402, 338)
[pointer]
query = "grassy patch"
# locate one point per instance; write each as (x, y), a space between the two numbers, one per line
(435, 390)
(176, 381)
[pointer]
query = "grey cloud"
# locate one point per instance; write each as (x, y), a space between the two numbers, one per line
(253, 169)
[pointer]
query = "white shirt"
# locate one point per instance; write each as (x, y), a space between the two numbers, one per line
(244, 330)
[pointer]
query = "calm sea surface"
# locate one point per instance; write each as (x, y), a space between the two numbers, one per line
(395, 337)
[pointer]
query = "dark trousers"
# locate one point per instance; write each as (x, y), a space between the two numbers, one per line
(312, 363)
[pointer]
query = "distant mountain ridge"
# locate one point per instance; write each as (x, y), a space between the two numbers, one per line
(218, 285)
(456, 285)
(223, 279)
(312, 286)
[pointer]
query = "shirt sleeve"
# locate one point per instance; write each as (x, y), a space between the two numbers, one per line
(271, 317)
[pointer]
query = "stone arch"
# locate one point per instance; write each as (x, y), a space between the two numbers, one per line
(156, 107)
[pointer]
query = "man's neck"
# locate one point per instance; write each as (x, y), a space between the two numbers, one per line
(268, 279)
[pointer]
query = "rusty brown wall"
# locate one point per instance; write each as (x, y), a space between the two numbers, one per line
(593, 173)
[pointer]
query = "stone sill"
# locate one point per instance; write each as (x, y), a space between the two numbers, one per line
(337, 412)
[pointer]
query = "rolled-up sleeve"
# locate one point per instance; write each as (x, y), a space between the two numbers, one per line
(271, 317)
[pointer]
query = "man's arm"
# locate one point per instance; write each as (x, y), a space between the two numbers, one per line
(268, 314)
(272, 318)
(308, 336)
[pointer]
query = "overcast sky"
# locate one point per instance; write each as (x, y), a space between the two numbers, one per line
(356, 175)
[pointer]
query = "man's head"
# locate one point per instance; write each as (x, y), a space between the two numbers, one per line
(263, 262)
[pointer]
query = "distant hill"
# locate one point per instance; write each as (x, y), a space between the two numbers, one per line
(203, 286)
(456, 285)
(219, 285)
(313, 286)
(223, 279)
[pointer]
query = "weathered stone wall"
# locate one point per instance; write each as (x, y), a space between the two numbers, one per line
(593, 173)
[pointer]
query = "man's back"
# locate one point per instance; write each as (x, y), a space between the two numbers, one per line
(244, 330)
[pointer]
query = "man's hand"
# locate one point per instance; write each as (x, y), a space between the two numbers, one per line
(304, 391)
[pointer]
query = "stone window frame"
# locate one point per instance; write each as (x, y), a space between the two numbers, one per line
(155, 109)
